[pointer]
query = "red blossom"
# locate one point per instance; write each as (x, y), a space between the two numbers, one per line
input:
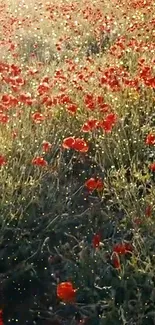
(43, 88)
(108, 123)
(1, 317)
(25, 98)
(150, 139)
(72, 108)
(15, 70)
(77, 144)
(9, 100)
(94, 184)
(96, 240)
(122, 248)
(45, 79)
(2, 160)
(4, 118)
(19, 81)
(80, 145)
(89, 101)
(39, 161)
(46, 146)
(68, 143)
(66, 292)
(116, 260)
(37, 117)
(64, 99)
(150, 82)
(99, 184)
(152, 167)
(89, 125)
(148, 211)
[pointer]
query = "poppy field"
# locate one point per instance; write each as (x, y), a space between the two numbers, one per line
(77, 162)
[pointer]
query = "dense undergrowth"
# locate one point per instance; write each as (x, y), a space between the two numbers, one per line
(77, 164)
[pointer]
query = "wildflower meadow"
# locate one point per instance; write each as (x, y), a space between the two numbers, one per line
(77, 162)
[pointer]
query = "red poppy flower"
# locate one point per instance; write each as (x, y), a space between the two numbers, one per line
(72, 108)
(4, 118)
(14, 134)
(39, 161)
(104, 108)
(148, 211)
(25, 98)
(45, 79)
(46, 146)
(128, 248)
(96, 240)
(116, 260)
(43, 88)
(122, 248)
(94, 184)
(68, 143)
(152, 167)
(100, 100)
(66, 292)
(19, 81)
(99, 184)
(32, 71)
(15, 70)
(64, 99)
(80, 145)
(89, 125)
(4, 67)
(150, 139)
(88, 98)
(150, 82)
(75, 143)
(38, 117)
(89, 101)
(109, 122)
(1, 317)
(15, 89)
(2, 160)
(9, 100)
(145, 72)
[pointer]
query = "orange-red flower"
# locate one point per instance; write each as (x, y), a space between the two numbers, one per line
(150, 139)
(46, 146)
(1, 317)
(94, 184)
(80, 145)
(72, 108)
(148, 211)
(9, 100)
(116, 260)
(66, 292)
(26, 98)
(109, 122)
(4, 118)
(152, 167)
(89, 125)
(39, 161)
(37, 117)
(96, 240)
(43, 88)
(2, 160)
(122, 248)
(75, 143)
(68, 143)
